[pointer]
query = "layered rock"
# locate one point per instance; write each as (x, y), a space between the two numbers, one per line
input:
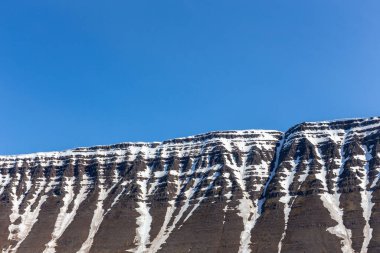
(313, 188)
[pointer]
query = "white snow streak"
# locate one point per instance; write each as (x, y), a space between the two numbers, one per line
(4, 181)
(166, 230)
(214, 177)
(65, 218)
(27, 220)
(285, 184)
(366, 199)
(144, 221)
(98, 213)
(163, 234)
(249, 210)
(331, 201)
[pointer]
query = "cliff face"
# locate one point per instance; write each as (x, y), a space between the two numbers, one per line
(313, 188)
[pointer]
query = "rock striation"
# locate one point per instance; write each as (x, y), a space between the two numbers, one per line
(313, 188)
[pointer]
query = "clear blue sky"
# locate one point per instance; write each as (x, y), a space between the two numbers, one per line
(81, 73)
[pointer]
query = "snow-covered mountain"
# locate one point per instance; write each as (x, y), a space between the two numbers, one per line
(313, 188)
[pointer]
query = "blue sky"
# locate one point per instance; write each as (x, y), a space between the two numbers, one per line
(81, 73)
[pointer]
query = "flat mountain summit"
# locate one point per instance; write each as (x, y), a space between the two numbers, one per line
(313, 188)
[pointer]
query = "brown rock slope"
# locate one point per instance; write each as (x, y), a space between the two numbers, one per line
(313, 188)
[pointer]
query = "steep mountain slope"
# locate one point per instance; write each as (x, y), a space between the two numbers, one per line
(313, 188)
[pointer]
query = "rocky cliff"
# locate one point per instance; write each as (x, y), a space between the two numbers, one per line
(313, 188)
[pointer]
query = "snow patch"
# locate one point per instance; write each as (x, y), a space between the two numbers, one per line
(98, 213)
(65, 218)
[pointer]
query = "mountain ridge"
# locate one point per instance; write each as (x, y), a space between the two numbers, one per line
(311, 188)
(190, 136)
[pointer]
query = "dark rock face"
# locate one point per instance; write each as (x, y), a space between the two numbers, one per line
(313, 188)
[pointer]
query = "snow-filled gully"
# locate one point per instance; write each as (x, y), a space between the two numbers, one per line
(366, 197)
(288, 200)
(166, 230)
(99, 212)
(19, 231)
(248, 208)
(145, 219)
(65, 218)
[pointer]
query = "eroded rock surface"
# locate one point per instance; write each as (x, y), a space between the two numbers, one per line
(313, 188)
